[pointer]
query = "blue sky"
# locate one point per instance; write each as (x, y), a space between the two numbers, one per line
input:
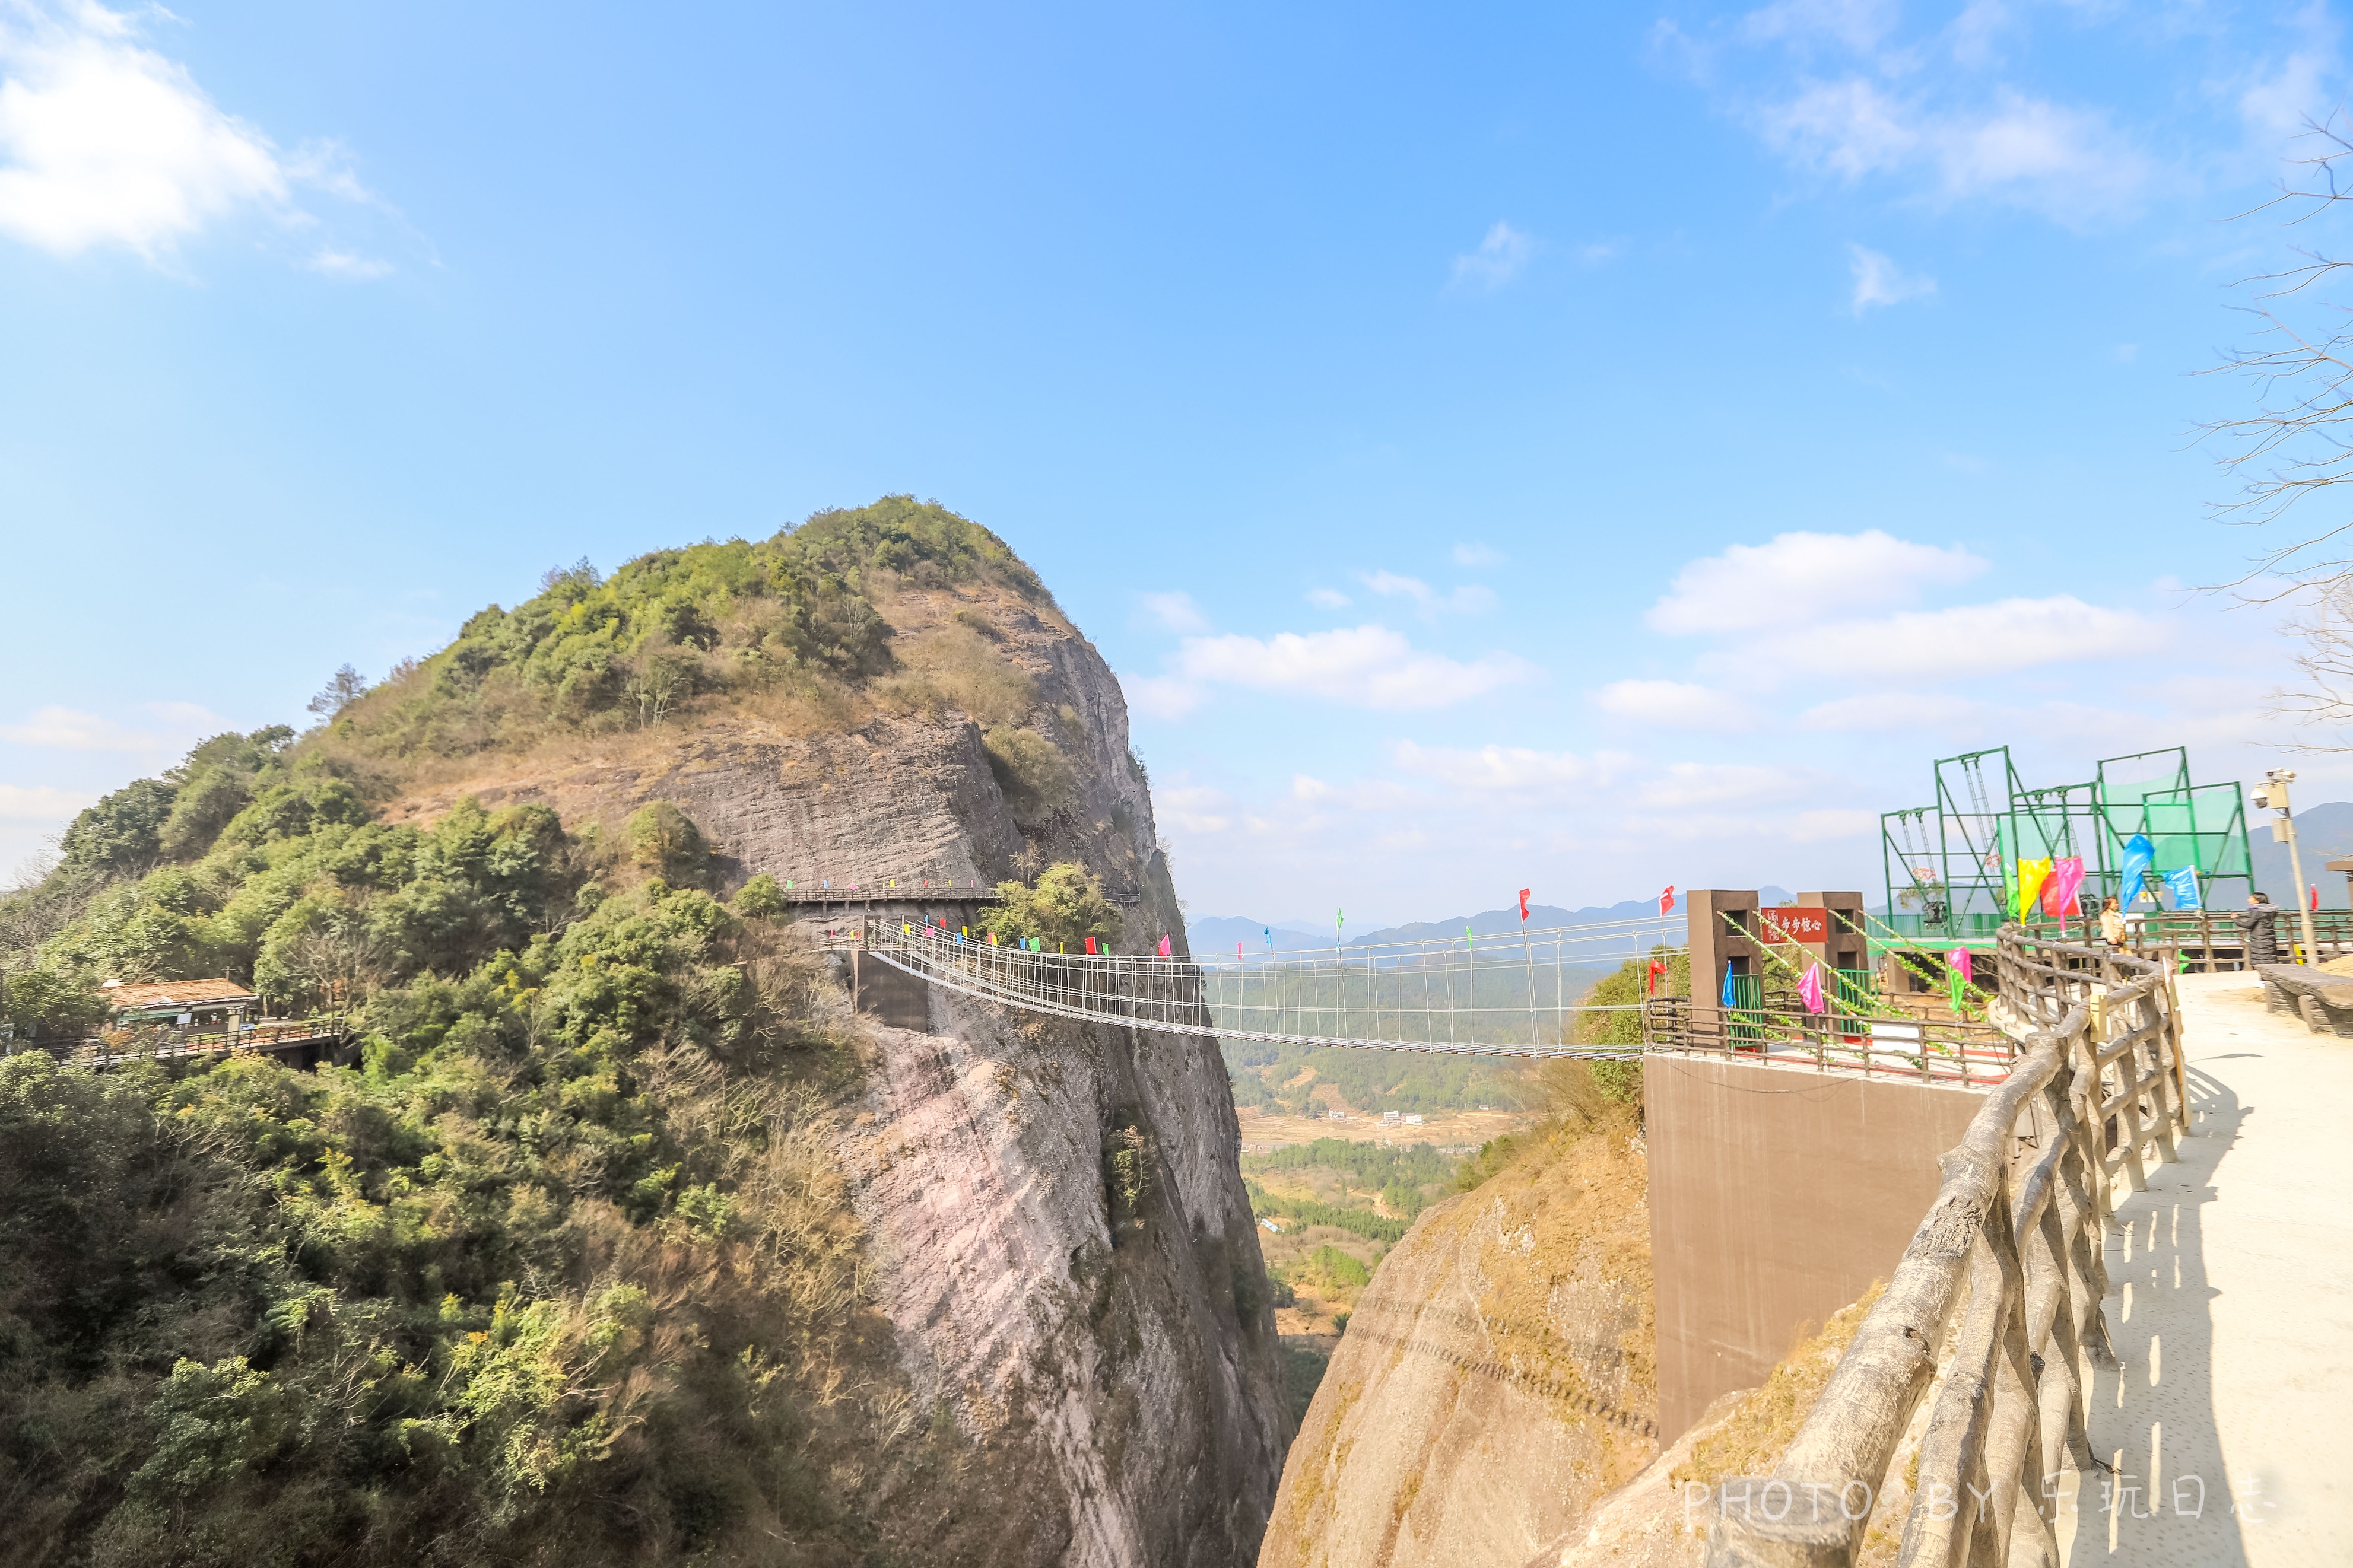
(1582, 448)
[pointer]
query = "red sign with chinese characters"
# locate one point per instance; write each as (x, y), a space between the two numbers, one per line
(1794, 923)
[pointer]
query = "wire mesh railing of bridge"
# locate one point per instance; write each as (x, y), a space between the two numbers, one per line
(1515, 994)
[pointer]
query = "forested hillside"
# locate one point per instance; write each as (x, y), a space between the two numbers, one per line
(560, 1267)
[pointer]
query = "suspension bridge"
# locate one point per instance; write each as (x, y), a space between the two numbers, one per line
(1511, 993)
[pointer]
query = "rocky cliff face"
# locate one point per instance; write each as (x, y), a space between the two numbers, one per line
(1496, 1380)
(1111, 1352)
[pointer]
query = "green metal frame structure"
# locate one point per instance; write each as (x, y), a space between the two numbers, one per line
(1952, 867)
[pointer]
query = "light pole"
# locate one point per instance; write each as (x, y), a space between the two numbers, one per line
(2272, 795)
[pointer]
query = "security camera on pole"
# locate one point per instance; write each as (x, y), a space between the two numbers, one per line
(2272, 796)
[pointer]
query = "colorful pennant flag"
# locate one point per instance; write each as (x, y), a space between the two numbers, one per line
(2183, 885)
(1809, 989)
(2133, 884)
(1667, 900)
(2032, 875)
(1163, 946)
(1523, 906)
(2059, 893)
(1731, 996)
(1091, 947)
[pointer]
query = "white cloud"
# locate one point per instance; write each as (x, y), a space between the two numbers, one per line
(1801, 577)
(1470, 599)
(1476, 554)
(68, 730)
(1972, 640)
(2065, 163)
(1177, 611)
(1194, 809)
(1859, 25)
(1502, 256)
(105, 142)
(180, 725)
(1849, 128)
(348, 264)
(1976, 32)
(40, 803)
(1161, 696)
(1510, 770)
(1875, 711)
(1328, 599)
(1370, 666)
(1673, 704)
(1686, 784)
(1879, 282)
(2275, 106)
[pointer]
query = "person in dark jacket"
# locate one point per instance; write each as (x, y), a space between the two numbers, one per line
(2256, 921)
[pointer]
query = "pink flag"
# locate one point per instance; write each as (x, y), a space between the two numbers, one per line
(1809, 989)
(1667, 900)
(1959, 957)
(2059, 893)
(1238, 952)
(2315, 895)
(1164, 947)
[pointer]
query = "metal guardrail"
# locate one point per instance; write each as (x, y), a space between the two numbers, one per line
(1936, 1050)
(2020, 1219)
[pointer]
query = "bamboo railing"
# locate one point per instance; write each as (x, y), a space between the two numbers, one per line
(2021, 1221)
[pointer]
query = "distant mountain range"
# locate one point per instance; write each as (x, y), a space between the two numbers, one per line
(2323, 833)
(1217, 933)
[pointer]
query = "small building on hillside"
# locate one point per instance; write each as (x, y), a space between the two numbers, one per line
(182, 1004)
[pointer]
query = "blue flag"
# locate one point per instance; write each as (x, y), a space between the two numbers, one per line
(2138, 859)
(2183, 886)
(1731, 996)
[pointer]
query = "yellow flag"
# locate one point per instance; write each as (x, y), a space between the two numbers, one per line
(2032, 875)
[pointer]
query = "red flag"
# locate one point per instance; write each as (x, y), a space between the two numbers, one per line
(1658, 973)
(2316, 896)
(1164, 947)
(1667, 900)
(1090, 945)
(1523, 906)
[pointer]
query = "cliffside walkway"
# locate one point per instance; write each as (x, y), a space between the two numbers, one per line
(2133, 1298)
(1512, 995)
(2231, 1312)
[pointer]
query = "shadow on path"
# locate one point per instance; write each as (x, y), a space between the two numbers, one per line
(2153, 1418)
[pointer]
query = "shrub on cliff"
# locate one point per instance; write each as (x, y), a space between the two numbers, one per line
(1625, 988)
(1062, 909)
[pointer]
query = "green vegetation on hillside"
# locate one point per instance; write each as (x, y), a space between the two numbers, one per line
(1404, 1177)
(1264, 1075)
(591, 653)
(559, 1270)
(1627, 988)
(1381, 1228)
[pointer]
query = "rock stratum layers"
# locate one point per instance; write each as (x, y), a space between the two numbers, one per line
(1112, 1356)
(1495, 1382)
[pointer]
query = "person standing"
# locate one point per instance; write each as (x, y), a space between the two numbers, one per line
(2255, 922)
(2112, 922)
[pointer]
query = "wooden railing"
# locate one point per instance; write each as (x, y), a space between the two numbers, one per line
(2021, 1221)
(163, 1043)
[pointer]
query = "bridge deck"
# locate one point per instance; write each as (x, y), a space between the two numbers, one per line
(2231, 1309)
